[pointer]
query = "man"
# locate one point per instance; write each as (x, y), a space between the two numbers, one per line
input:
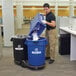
(50, 33)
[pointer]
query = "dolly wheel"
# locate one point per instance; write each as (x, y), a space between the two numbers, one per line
(36, 68)
(23, 64)
(17, 62)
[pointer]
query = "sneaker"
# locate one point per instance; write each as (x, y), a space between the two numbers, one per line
(47, 58)
(51, 61)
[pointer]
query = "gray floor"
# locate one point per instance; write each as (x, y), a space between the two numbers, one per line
(61, 67)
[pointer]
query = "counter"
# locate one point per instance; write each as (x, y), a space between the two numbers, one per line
(65, 30)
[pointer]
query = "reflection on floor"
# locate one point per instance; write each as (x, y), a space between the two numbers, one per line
(61, 67)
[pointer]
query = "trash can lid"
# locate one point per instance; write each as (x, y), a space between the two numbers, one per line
(19, 36)
(37, 25)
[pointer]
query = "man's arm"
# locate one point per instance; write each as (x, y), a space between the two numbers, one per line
(52, 23)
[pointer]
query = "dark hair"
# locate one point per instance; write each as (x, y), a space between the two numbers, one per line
(46, 5)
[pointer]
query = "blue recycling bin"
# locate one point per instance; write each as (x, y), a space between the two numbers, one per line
(36, 51)
(37, 25)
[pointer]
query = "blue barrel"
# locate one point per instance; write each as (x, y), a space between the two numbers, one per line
(36, 51)
(37, 25)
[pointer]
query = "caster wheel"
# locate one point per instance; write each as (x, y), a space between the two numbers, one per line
(23, 64)
(17, 62)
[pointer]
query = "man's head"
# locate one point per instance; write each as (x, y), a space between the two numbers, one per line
(46, 7)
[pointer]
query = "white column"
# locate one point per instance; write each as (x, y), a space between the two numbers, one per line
(19, 18)
(0, 30)
(56, 14)
(71, 8)
(8, 21)
(56, 8)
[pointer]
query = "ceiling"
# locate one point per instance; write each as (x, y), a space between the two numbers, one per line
(41, 2)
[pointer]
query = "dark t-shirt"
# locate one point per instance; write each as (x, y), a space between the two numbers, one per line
(50, 17)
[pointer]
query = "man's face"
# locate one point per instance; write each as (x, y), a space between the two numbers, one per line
(46, 9)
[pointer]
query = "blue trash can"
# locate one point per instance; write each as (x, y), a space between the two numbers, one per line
(36, 51)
